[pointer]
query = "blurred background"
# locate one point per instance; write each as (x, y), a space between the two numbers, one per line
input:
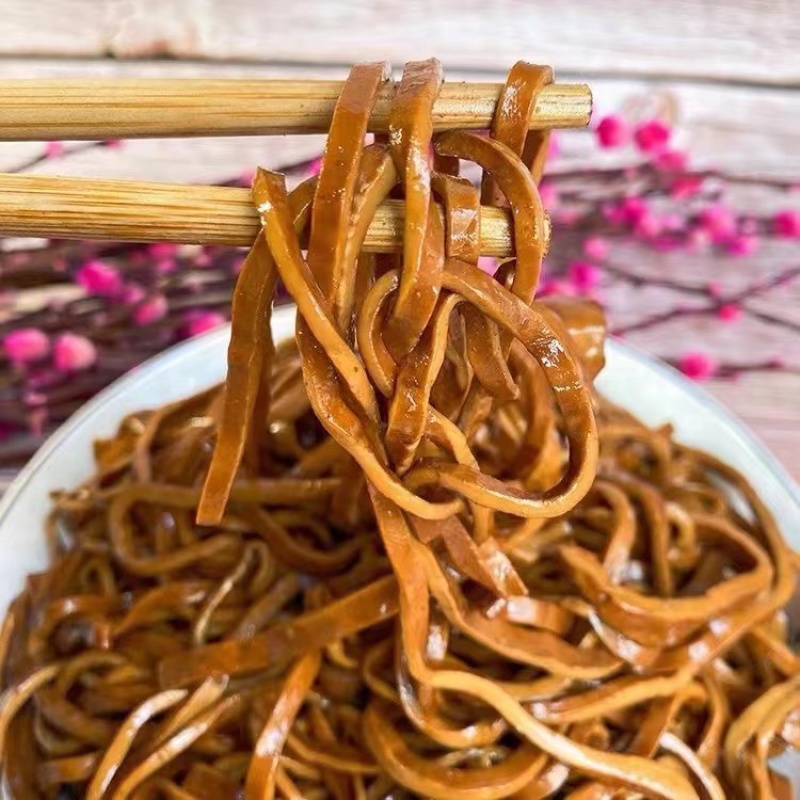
(679, 209)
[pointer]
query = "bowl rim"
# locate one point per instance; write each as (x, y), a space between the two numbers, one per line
(166, 360)
(694, 390)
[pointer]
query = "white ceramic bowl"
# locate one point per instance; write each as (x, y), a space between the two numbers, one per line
(649, 389)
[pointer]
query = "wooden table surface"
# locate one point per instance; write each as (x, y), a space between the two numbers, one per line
(730, 67)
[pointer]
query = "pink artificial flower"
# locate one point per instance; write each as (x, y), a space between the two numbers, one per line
(26, 346)
(553, 146)
(698, 366)
(583, 277)
(648, 225)
(548, 194)
(60, 264)
(114, 144)
(743, 244)
(162, 250)
(54, 149)
(730, 313)
(612, 131)
(613, 213)
(652, 136)
(719, 221)
(715, 289)
(686, 186)
(132, 294)
(203, 322)
(671, 161)
(633, 208)
(166, 266)
(596, 247)
(73, 353)
(151, 310)
(787, 224)
(99, 278)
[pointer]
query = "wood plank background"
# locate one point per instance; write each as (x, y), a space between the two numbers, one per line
(753, 41)
(728, 69)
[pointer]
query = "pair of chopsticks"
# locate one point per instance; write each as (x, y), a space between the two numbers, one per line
(77, 208)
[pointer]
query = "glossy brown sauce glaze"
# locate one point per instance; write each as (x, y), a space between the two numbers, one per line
(408, 553)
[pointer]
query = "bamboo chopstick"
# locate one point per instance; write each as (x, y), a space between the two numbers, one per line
(134, 108)
(133, 211)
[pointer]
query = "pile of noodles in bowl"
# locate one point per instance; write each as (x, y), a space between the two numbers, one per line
(409, 551)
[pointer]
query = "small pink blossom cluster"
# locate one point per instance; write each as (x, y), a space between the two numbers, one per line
(658, 201)
(787, 224)
(198, 322)
(100, 279)
(583, 276)
(698, 366)
(582, 279)
(68, 352)
(31, 348)
(717, 224)
(651, 136)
